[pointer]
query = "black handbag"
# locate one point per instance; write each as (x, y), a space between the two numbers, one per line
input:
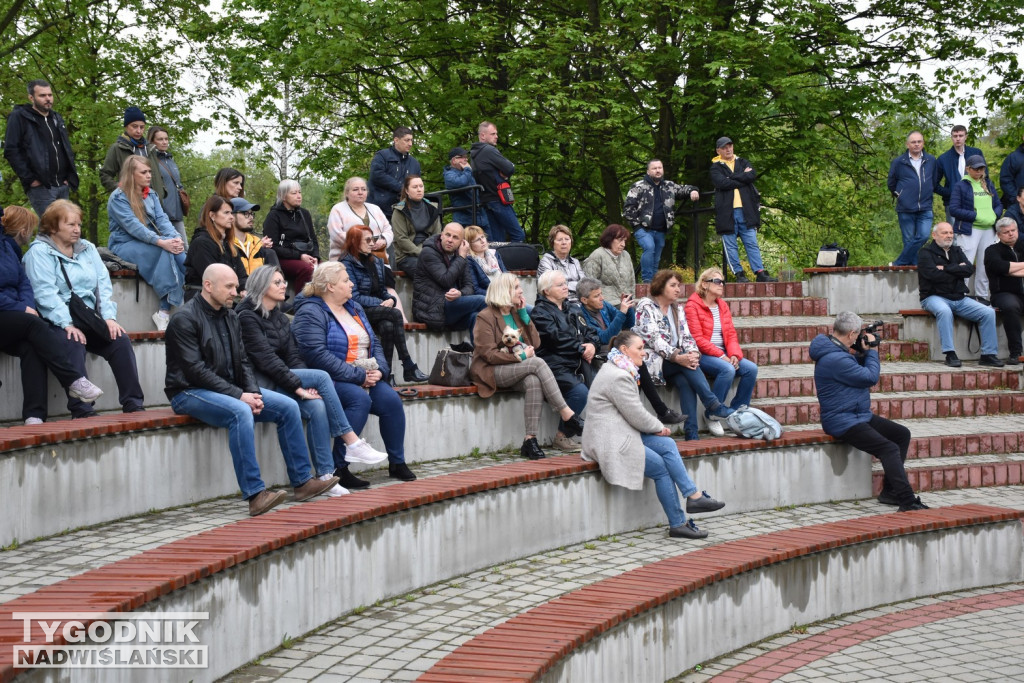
(451, 369)
(832, 256)
(85, 317)
(519, 256)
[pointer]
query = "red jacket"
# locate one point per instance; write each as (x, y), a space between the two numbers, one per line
(702, 324)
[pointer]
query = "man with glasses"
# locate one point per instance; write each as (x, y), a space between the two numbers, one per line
(254, 251)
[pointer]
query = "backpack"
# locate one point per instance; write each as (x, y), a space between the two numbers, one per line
(751, 423)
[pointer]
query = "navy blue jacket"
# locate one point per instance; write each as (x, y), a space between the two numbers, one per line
(453, 180)
(15, 289)
(961, 205)
(949, 174)
(913, 193)
(1011, 175)
(387, 171)
(323, 343)
(613, 318)
(479, 278)
(362, 283)
(843, 383)
(1016, 214)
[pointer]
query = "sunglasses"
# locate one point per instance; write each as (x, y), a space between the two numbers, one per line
(715, 281)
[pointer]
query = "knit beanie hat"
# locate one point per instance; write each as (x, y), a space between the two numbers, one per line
(133, 114)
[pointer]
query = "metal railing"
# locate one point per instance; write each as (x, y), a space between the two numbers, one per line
(475, 204)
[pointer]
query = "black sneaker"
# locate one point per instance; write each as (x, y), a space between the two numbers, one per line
(672, 417)
(350, 481)
(990, 361)
(703, 504)
(1014, 359)
(400, 471)
(573, 426)
(914, 504)
(886, 498)
(688, 530)
(740, 277)
(952, 360)
(765, 276)
(531, 450)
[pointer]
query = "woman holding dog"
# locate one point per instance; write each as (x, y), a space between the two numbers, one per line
(500, 363)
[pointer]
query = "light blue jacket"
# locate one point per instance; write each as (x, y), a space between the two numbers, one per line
(125, 227)
(135, 242)
(86, 271)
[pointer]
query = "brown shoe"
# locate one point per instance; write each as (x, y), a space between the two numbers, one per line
(313, 487)
(264, 501)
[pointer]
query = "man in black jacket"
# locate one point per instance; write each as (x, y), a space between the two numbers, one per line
(442, 295)
(209, 377)
(1004, 262)
(388, 170)
(38, 149)
(491, 168)
(737, 210)
(942, 268)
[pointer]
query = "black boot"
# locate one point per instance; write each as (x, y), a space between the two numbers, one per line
(411, 372)
(349, 480)
(531, 449)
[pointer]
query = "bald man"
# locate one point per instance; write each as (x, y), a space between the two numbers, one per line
(210, 379)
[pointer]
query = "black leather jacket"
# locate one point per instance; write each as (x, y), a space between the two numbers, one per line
(563, 332)
(196, 360)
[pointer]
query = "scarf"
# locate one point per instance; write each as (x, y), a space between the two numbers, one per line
(145, 193)
(622, 361)
(489, 262)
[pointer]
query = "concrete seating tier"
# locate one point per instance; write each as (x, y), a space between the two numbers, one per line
(617, 629)
(791, 329)
(804, 409)
(785, 353)
(462, 522)
(403, 285)
(901, 377)
(920, 324)
(865, 289)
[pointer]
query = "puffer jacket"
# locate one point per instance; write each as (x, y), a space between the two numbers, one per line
(563, 332)
(1011, 175)
(196, 359)
(702, 325)
(271, 348)
(615, 273)
(436, 273)
(570, 267)
(843, 383)
(323, 343)
(285, 227)
(362, 283)
(15, 288)
(961, 205)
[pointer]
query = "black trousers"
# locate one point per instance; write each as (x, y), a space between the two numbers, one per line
(386, 322)
(888, 441)
(1010, 306)
(121, 357)
(651, 391)
(39, 345)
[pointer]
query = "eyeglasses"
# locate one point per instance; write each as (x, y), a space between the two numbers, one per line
(247, 214)
(480, 239)
(715, 281)
(369, 240)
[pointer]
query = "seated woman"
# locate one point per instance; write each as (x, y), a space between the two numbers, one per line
(413, 221)
(60, 262)
(494, 367)
(229, 183)
(559, 259)
(368, 275)
(213, 242)
(290, 228)
(671, 353)
(567, 345)
(611, 265)
(141, 233)
(23, 333)
(333, 334)
(629, 443)
(609, 321)
(710, 322)
(485, 263)
(267, 336)
(352, 211)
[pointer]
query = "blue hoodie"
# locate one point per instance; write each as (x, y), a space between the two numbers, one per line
(843, 383)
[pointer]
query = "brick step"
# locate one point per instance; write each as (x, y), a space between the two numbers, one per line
(958, 472)
(751, 290)
(898, 406)
(768, 329)
(778, 307)
(790, 353)
(786, 381)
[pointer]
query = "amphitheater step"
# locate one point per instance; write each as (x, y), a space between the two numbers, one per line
(734, 290)
(797, 328)
(780, 381)
(906, 405)
(788, 353)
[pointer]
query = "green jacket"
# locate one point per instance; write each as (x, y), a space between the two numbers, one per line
(110, 172)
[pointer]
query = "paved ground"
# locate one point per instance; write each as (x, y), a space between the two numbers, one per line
(396, 640)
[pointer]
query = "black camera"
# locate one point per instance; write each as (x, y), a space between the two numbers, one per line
(862, 344)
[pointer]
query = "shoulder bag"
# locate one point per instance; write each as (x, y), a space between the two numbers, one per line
(451, 369)
(85, 317)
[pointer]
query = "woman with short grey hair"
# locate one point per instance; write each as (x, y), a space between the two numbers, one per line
(290, 227)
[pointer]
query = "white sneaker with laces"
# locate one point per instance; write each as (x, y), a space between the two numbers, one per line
(334, 491)
(84, 390)
(160, 319)
(716, 428)
(363, 452)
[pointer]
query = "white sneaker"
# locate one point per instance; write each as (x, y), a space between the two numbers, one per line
(716, 428)
(160, 319)
(84, 390)
(334, 491)
(363, 452)
(33, 421)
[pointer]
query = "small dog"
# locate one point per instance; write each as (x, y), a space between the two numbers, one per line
(510, 341)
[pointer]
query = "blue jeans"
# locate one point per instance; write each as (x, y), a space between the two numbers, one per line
(690, 384)
(969, 309)
(219, 410)
(325, 418)
(461, 313)
(722, 373)
(915, 228)
(575, 398)
(503, 224)
(663, 464)
(652, 242)
(749, 238)
(382, 401)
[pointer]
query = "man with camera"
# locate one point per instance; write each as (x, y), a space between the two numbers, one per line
(845, 368)
(942, 272)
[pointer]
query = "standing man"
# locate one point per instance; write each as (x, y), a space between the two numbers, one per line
(952, 165)
(491, 169)
(1004, 262)
(912, 184)
(650, 207)
(443, 293)
(457, 174)
(131, 143)
(209, 377)
(388, 170)
(1011, 176)
(37, 148)
(737, 210)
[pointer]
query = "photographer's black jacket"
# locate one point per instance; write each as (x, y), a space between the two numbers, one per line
(948, 282)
